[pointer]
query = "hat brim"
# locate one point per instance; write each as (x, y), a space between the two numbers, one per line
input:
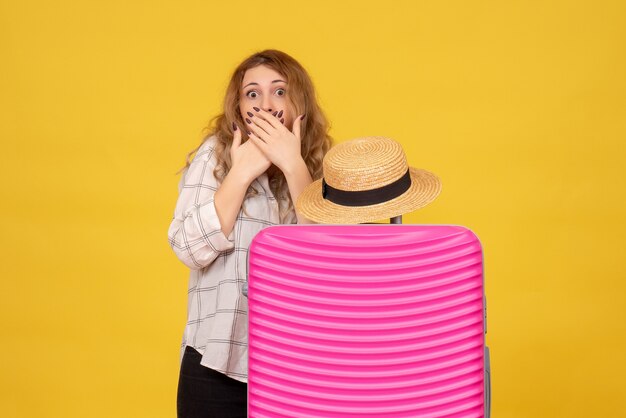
(425, 187)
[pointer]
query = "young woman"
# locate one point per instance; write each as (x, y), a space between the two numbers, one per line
(254, 161)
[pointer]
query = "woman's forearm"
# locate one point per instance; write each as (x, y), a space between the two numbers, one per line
(298, 177)
(229, 198)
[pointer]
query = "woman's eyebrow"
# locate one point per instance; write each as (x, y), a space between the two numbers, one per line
(256, 84)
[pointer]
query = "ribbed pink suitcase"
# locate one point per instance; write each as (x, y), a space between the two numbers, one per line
(367, 321)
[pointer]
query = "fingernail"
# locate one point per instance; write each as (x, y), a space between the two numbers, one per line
(256, 108)
(248, 120)
(234, 126)
(274, 114)
(280, 114)
(249, 133)
(282, 120)
(250, 114)
(302, 117)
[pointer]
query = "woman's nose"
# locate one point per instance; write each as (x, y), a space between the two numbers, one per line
(267, 105)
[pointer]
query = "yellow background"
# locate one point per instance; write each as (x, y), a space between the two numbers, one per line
(519, 107)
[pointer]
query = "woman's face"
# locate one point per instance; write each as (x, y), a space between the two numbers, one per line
(264, 88)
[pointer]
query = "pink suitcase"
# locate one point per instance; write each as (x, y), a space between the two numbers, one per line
(367, 321)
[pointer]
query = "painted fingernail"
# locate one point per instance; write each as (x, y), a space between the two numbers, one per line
(280, 114)
(282, 120)
(249, 133)
(274, 114)
(234, 126)
(302, 117)
(249, 121)
(250, 114)
(256, 108)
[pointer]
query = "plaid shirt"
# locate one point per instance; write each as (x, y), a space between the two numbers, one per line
(217, 312)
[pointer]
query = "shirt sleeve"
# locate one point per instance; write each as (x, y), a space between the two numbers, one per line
(195, 233)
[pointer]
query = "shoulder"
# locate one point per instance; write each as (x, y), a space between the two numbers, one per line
(207, 149)
(204, 157)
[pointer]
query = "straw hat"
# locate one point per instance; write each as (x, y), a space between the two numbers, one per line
(366, 179)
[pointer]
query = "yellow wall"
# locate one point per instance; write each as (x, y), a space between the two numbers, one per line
(519, 107)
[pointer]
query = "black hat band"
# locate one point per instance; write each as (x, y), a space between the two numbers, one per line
(367, 197)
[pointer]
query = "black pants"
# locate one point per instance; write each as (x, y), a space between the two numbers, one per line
(206, 393)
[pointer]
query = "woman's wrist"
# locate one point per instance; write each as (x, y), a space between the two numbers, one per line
(240, 176)
(294, 167)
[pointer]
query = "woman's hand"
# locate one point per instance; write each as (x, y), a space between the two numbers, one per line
(248, 160)
(281, 146)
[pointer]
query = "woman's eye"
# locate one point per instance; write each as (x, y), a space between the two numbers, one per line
(251, 93)
(281, 91)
